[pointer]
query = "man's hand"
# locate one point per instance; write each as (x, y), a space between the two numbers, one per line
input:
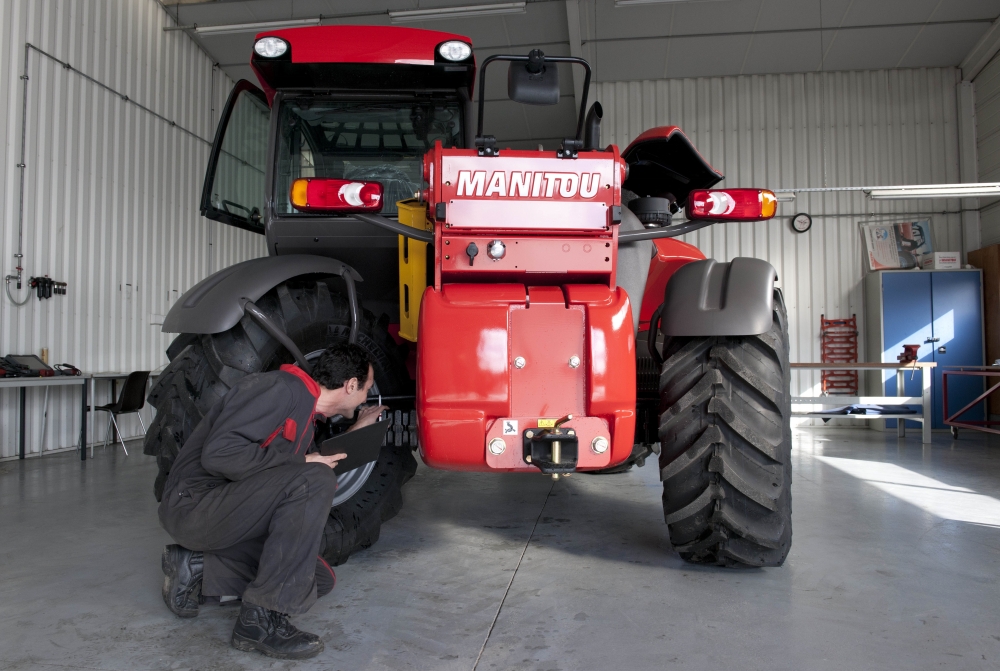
(330, 461)
(368, 415)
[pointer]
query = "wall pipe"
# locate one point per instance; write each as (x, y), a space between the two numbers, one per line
(28, 48)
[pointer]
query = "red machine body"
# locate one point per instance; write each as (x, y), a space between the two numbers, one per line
(377, 58)
(539, 332)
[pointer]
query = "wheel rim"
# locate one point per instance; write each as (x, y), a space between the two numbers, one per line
(351, 482)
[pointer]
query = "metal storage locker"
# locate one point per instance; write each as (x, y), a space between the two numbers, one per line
(942, 311)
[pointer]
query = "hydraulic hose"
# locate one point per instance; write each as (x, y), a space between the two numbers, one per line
(396, 227)
(665, 232)
(275, 331)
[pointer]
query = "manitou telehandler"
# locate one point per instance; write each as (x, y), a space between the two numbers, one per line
(527, 311)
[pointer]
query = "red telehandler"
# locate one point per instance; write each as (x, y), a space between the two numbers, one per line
(527, 311)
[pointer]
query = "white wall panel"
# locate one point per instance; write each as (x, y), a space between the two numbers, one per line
(111, 196)
(809, 130)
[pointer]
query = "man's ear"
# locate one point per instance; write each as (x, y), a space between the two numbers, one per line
(351, 385)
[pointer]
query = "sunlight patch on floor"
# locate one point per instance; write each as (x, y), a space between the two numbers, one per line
(930, 495)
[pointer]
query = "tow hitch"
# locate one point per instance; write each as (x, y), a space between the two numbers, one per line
(552, 450)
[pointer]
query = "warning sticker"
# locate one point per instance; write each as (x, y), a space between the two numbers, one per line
(510, 427)
(546, 423)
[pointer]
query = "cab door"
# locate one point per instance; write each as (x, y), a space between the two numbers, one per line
(234, 188)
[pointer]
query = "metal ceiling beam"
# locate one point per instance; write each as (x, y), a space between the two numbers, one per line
(981, 54)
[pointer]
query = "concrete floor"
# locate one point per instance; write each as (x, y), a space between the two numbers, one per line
(894, 565)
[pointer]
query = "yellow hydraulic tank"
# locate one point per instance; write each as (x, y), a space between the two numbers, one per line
(412, 267)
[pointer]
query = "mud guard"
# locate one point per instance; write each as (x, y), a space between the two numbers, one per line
(214, 305)
(707, 298)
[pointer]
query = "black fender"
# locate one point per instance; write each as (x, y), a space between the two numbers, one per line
(707, 298)
(216, 303)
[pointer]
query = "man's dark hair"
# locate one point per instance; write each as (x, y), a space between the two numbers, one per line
(340, 363)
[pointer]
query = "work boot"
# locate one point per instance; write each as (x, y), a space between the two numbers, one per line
(270, 632)
(182, 571)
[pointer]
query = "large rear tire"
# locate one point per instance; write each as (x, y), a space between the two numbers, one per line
(203, 368)
(726, 441)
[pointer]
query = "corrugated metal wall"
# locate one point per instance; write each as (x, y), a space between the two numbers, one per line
(111, 197)
(809, 130)
(988, 145)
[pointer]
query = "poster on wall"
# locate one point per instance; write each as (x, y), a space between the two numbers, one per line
(897, 246)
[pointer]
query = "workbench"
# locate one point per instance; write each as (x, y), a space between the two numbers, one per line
(924, 400)
(55, 381)
(87, 382)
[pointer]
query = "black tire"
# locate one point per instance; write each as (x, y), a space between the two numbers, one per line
(726, 441)
(203, 368)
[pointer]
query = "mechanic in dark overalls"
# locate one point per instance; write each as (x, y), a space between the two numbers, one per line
(247, 503)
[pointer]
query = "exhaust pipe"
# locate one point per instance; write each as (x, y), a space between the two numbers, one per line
(592, 128)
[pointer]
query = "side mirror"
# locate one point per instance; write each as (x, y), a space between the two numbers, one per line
(533, 82)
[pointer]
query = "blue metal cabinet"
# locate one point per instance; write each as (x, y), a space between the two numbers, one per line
(942, 311)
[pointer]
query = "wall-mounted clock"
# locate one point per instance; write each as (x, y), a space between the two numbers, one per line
(801, 222)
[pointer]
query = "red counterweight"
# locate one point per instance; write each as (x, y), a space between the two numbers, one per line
(524, 324)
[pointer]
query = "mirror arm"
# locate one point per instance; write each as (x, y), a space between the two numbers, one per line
(524, 59)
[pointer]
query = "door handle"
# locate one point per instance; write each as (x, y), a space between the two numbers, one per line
(942, 350)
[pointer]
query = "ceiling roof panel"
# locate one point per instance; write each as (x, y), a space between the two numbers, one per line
(886, 12)
(788, 14)
(942, 44)
(621, 61)
(728, 16)
(792, 52)
(670, 39)
(608, 21)
(958, 10)
(688, 58)
(868, 48)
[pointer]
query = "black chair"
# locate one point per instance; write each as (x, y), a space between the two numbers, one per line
(131, 399)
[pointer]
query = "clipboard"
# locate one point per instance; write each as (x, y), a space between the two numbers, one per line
(362, 446)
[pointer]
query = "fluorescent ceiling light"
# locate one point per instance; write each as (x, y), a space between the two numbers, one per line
(629, 3)
(986, 189)
(254, 27)
(456, 12)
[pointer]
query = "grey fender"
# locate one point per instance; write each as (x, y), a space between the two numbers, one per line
(707, 298)
(213, 305)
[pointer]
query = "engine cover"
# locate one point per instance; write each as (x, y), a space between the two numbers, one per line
(496, 360)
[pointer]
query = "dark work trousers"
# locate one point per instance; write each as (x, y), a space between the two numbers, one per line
(260, 535)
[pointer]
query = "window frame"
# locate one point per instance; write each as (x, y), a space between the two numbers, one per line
(207, 209)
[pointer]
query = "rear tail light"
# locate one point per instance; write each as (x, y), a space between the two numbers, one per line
(335, 195)
(732, 204)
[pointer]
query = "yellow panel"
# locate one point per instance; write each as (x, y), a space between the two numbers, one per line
(412, 267)
(546, 423)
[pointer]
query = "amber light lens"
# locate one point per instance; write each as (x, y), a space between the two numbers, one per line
(732, 204)
(335, 195)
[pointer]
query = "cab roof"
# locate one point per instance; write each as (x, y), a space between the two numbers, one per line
(373, 58)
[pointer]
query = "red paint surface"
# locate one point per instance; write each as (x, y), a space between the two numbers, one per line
(671, 254)
(559, 259)
(359, 44)
(660, 133)
(363, 44)
(525, 190)
(469, 337)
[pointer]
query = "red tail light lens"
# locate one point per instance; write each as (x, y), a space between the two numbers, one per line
(732, 204)
(335, 195)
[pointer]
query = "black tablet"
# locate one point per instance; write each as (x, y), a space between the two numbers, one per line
(361, 446)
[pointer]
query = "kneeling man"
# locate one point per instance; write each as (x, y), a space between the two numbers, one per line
(247, 503)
